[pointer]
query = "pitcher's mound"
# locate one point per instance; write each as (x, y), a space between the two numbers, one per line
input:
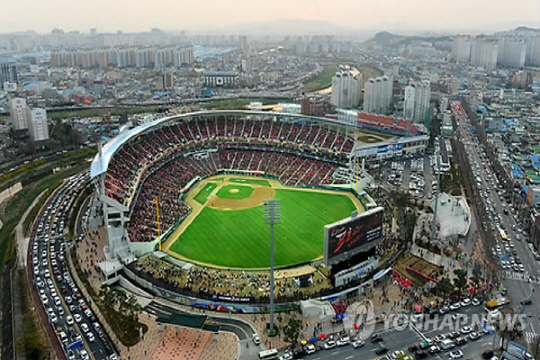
(234, 191)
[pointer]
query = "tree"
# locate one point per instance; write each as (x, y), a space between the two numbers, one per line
(460, 281)
(476, 276)
(291, 331)
(444, 287)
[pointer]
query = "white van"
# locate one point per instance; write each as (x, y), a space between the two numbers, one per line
(447, 344)
(63, 336)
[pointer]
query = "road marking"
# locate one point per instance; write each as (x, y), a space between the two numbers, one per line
(349, 357)
(335, 353)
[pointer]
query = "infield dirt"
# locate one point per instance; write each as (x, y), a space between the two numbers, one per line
(257, 198)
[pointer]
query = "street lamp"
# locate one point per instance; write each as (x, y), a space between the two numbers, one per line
(272, 216)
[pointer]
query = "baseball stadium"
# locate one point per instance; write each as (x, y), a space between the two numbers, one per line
(183, 198)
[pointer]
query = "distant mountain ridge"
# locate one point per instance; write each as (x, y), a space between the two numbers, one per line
(385, 38)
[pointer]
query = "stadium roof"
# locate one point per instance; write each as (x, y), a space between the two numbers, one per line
(101, 162)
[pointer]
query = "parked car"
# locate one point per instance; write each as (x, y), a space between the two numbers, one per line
(329, 345)
(358, 343)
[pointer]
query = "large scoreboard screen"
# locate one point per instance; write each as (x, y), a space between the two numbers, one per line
(350, 236)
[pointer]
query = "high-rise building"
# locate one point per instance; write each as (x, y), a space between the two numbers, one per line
(378, 95)
(19, 114)
(311, 107)
(484, 52)
(461, 48)
(416, 102)
(167, 81)
(37, 126)
(8, 72)
(532, 56)
(346, 89)
(512, 51)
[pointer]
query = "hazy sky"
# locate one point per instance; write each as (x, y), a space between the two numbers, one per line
(138, 15)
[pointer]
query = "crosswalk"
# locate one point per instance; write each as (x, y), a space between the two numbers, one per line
(518, 276)
(530, 336)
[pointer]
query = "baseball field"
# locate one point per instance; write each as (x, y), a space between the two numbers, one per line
(226, 228)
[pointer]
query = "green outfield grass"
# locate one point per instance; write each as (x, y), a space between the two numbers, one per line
(203, 194)
(243, 192)
(240, 239)
(259, 182)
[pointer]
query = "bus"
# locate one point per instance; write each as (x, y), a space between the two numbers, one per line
(496, 304)
(503, 235)
(268, 354)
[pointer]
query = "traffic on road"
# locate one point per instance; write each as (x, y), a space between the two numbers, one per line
(68, 313)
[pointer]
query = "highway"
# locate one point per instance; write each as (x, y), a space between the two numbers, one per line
(67, 311)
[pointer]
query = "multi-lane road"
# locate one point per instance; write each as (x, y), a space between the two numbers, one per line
(400, 336)
(514, 251)
(73, 322)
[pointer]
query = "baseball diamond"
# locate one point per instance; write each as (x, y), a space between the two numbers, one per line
(228, 230)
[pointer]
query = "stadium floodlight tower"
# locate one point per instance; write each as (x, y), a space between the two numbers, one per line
(272, 216)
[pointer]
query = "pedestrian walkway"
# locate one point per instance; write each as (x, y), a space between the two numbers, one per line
(435, 259)
(181, 343)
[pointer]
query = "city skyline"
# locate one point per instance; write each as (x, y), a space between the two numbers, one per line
(209, 15)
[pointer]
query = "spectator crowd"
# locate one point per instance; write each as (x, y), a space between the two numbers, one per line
(164, 161)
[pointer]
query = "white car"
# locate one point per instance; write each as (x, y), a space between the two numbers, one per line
(454, 307)
(256, 339)
(456, 354)
(358, 343)
(84, 327)
(329, 345)
(90, 337)
(69, 320)
(310, 349)
(286, 356)
(84, 355)
(440, 338)
(395, 354)
(343, 341)
(465, 302)
(77, 317)
(465, 330)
